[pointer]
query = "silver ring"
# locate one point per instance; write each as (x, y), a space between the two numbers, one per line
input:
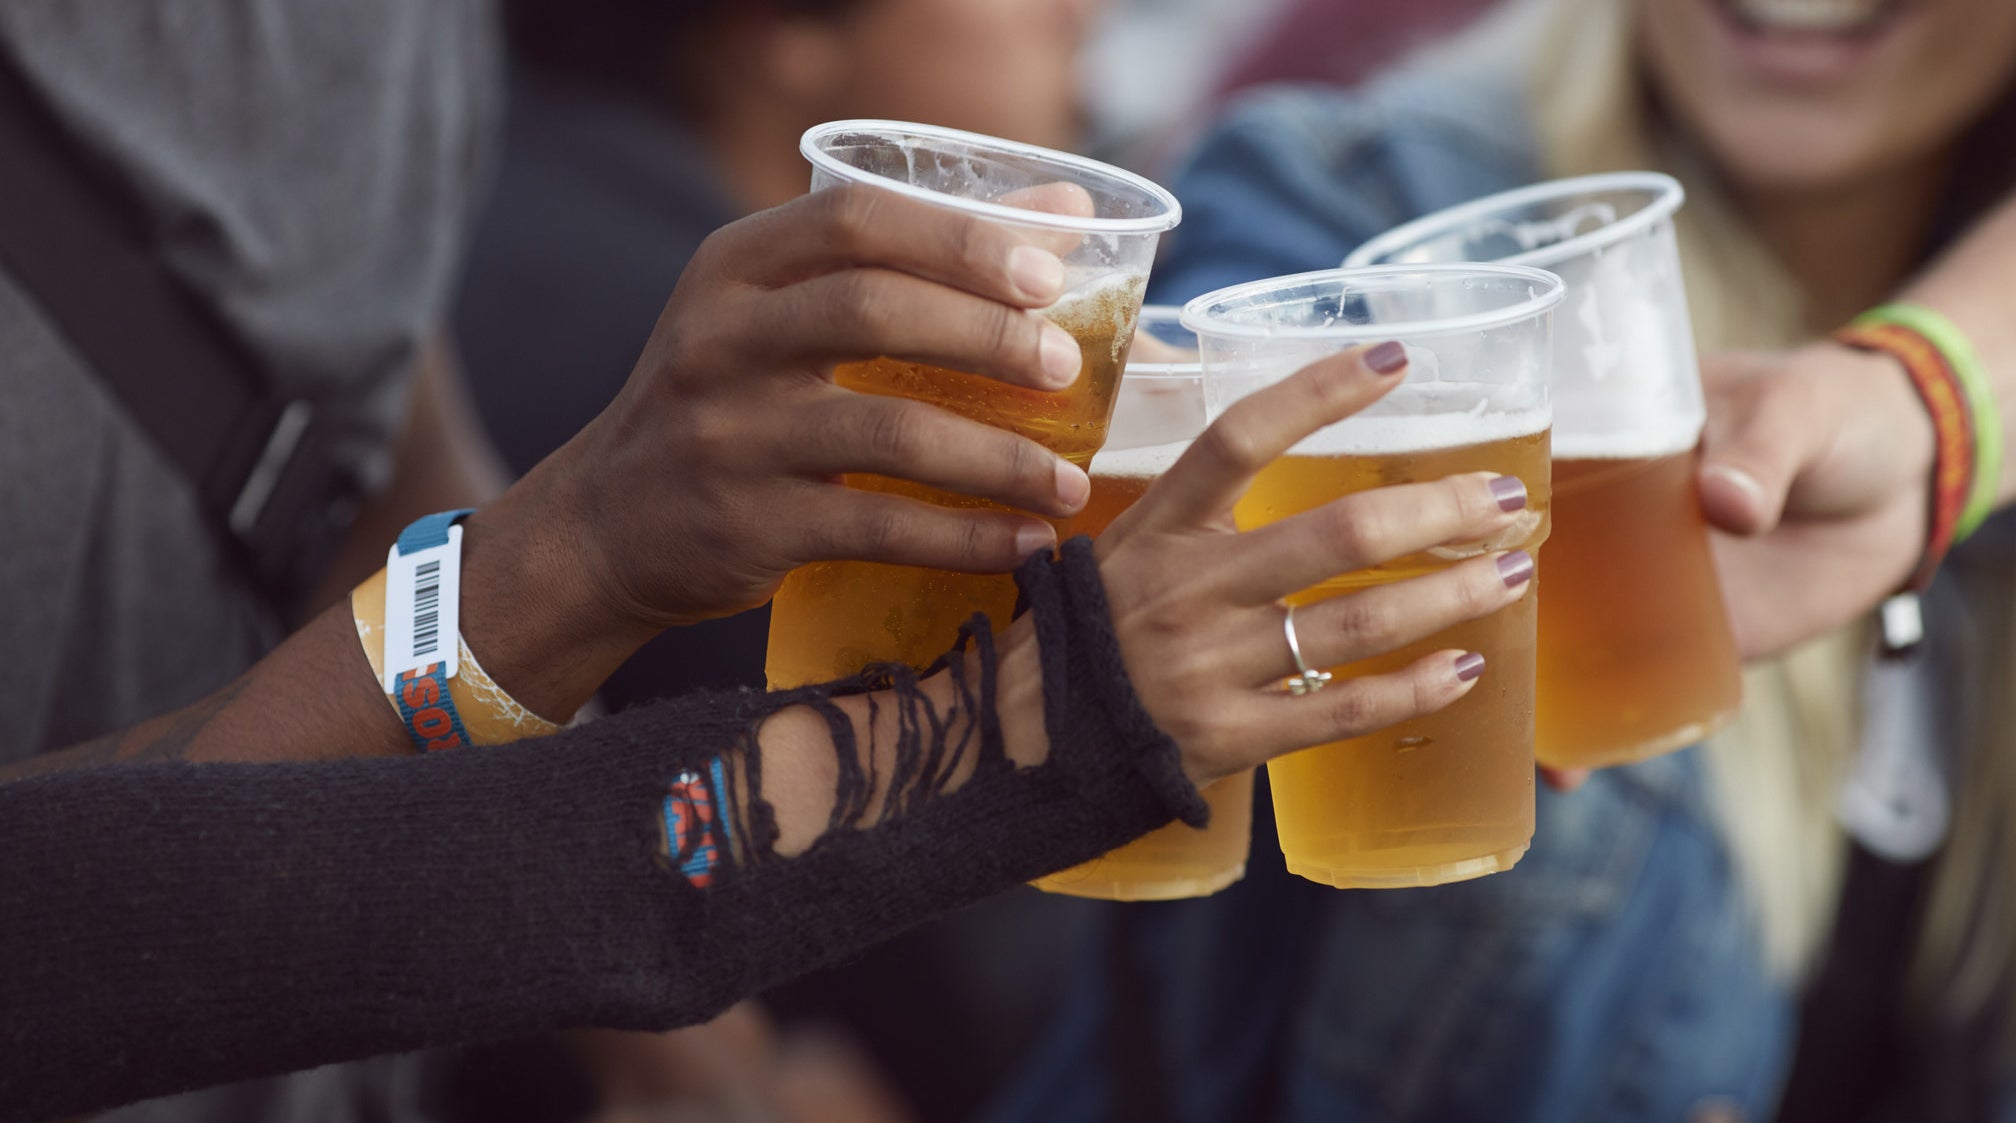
(1305, 681)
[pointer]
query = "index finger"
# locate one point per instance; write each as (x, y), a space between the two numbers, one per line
(1214, 472)
(853, 225)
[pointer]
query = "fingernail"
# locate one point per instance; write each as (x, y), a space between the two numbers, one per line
(1059, 354)
(1033, 537)
(1740, 478)
(1073, 485)
(1387, 357)
(1469, 665)
(1515, 568)
(1038, 273)
(1509, 492)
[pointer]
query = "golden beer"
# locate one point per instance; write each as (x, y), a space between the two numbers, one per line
(1448, 796)
(1175, 860)
(830, 619)
(1636, 655)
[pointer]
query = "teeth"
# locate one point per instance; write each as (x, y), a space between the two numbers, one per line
(1811, 15)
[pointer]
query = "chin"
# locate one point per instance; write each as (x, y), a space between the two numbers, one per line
(1790, 153)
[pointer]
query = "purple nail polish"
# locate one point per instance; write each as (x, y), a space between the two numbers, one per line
(1469, 665)
(1515, 568)
(1386, 357)
(1509, 492)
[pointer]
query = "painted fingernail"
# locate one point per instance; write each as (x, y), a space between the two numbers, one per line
(1515, 568)
(1033, 537)
(1059, 354)
(1509, 492)
(1073, 485)
(1387, 357)
(1038, 273)
(1469, 665)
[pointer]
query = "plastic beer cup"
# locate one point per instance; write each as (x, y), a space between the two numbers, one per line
(1636, 653)
(1448, 796)
(831, 619)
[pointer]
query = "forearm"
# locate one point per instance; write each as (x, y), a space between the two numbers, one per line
(1970, 285)
(528, 612)
(183, 925)
(312, 698)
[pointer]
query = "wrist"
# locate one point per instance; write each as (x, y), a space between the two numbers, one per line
(530, 608)
(1884, 383)
(1018, 693)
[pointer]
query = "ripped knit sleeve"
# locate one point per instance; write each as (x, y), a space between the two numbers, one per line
(178, 926)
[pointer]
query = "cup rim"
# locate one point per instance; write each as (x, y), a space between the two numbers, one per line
(1158, 371)
(1171, 214)
(1667, 195)
(1551, 293)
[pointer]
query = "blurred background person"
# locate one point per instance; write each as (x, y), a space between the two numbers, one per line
(1695, 937)
(636, 127)
(633, 129)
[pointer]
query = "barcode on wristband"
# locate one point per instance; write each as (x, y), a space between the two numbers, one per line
(422, 594)
(427, 609)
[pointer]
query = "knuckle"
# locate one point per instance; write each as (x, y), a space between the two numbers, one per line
(975, 245)
(1370, 621)
(711, 432)
(1007, 331)
(1232, 443)
(977, 540)
(1029, 466)
(876, 532)
(1357, 532)
(1426, 693)
(1471, 500)
(893, 434)
(850, 215)
(1480, 592)
(719, 243)
(858, 297)
(1354, 709)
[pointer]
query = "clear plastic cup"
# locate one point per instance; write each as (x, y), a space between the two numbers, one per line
(1636, 654)
(1160, 411)
(831, 619)
(1448, 796)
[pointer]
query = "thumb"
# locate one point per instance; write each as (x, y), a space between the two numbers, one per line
(1753, 454)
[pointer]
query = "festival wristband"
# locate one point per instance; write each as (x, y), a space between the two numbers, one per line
(448, 700)
(1985, 419)
(1953, 441)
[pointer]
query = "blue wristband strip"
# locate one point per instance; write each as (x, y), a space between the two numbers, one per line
(428, 711)
(430, 530)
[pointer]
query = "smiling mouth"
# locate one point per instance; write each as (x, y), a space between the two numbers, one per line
(1814, 17)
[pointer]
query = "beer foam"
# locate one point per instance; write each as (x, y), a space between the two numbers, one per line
(1368, 434)
(1142, 463)
(1102, 308)
(1638, 443)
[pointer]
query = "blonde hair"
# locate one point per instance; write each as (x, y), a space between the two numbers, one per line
(1777, 769)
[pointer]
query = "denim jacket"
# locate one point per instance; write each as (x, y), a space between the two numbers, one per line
(1614, 976)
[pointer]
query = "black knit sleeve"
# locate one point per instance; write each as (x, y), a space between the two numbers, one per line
(177, 926)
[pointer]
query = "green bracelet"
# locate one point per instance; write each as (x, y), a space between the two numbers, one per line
(1959, 354)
